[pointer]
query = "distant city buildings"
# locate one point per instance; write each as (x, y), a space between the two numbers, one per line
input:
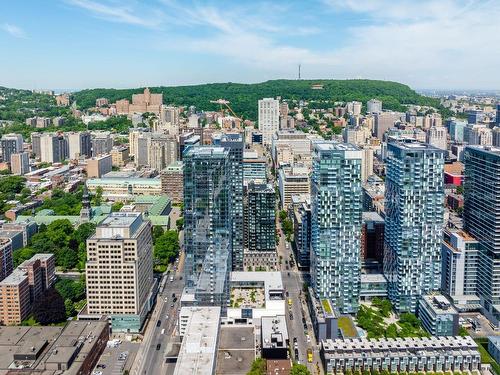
(172, 183)
(269, 113)
(374, 106)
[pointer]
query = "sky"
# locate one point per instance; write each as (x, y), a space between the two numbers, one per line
(76, 44)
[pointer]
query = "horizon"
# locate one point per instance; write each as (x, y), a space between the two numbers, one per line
(89, 43)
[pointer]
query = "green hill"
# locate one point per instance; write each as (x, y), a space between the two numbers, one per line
(244, 97)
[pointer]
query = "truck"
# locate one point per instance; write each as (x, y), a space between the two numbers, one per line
(309, 355)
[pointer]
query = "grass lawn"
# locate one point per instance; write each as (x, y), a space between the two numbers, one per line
(347, 327)
(482, 344)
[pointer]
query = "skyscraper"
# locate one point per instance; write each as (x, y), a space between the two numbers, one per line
(269, 119)
(119, 270)
(234, 142)
(414, 222)
(482, 219)
(373, 106)
(498, 115)
(260, 217)
(336, 207)
(11, 144)
(207, 223)
(79, 144)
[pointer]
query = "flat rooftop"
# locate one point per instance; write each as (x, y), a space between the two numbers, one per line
(335, 146)
(15, 278)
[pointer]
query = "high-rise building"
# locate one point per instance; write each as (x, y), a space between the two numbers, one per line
(456, 130)
(354, 108)
(99, 166)
(36, 144)
(207, 223)
(235, 144)
(414, 216)
(53, 148)
(11, 144)
(478, 135)
(170, 114)
(20, 163)
(119, 270)
(6, 260)
(172, 181)
(373, 106)
(336, 208)
(79, 144)
(102, 143)
(162, 150)
(293, 181)
(498, 115)
(119, 156)
(383, 122)
(437, 137)
(269, 119)
(260, 215)
(475, 116)
(482, 219)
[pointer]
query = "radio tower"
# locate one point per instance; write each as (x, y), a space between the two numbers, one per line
(299, 71)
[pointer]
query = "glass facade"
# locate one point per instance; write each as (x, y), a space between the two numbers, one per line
(336, 207)
(261, 218)
(413, 223)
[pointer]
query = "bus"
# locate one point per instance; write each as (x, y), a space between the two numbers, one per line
(309, 355)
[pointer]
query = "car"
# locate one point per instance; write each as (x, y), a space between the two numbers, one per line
(158, 323)
(163, 331)
(294, 340)
(296, 353)
(171, 305)
(173, 295)
(158, 346)
(291, 317)
(288, 274)
(175, 299)
(308, 338)
(166, 299)
(97, 373)
(286, 293)
(171, 278)
(180, 278)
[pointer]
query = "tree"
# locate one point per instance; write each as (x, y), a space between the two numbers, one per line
(12, 184)
(258, 367)
(166, 247)
(460, 189)
(299, 369)
(391, 332)
(157, 232)
(69, 308)
(117, 206)
(97, 199)
(70, 289)
(283, 215)
(49, 308)
(179, 223)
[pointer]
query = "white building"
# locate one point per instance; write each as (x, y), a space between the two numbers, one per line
(269, 119)
(374, 106)
(293, 181)
(437, 136)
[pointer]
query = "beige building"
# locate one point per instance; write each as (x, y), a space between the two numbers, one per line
(172, 183)
(62, 100)
(120, 270)
(292, 181)
(119, 156)
(145, 102)
(99, 166)
(20, 163)
(162, 150)
(15, 303)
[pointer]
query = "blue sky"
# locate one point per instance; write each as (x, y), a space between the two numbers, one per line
(78, 44)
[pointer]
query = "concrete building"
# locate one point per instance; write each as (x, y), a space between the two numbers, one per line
(414, 218)
(36, 144)
(162, 150)
(478, 135)
(119, 156)
(15, 304)
(254, 167)
(145, 102)
(373, 106)
(383, 122)
(269, 119)
(6, 260)
(11, 144)
(20, 163)
(99, 166)
(170, 114)
(274, 337)
(482, 221)
(120, 288)
(53, 148)
(336, 220)
(260, 214)
(437, 137)
(425, 354)
(207, 223)
(199, 328)
(123, 189)
(172, 183)
(27, 228)
(102, 143)
(438, 317)
(79, 144)
(292, 181)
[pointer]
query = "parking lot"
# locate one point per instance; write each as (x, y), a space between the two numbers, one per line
(482, 325)
(115, 360)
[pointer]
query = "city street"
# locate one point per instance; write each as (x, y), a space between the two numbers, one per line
(151, 360)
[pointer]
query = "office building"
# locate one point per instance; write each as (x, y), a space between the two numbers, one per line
(269, 119)
(482, 220)
(79, 144)
(383, 122)
(292, 181)
(11, 144)
(475, 116)
(366, 163)
(235, 144)
(119, 156)
(102, 143)
(414, 218)
(99, 166)
(336, 207)
(274, 337)
(373, 106)
(438, 317)
(435, 354)
(478, 135)
(36, 144)
(207, 223)
(260, 228)
(254, 167)
(172, 181)
(161, 150)
(20, 163)
(456, 130)
(119, 270)
(301, 216)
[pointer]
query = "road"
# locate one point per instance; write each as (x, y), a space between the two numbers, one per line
(293, 281)
(151, 361)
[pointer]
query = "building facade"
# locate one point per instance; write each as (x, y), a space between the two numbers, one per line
(172, 181)
(260, 233)
(414, 218)
(269, 119)
(336, 207)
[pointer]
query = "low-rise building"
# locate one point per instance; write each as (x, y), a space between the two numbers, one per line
(413, 354)
(292, 181)
(274, 337)
(438, 317)
(123, 189)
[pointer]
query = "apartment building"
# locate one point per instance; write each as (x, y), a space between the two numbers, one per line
(6, 262)
(172, 181)
(20, 163)
(292, 180)
(99, 166)
(119, 156)
(269, 119)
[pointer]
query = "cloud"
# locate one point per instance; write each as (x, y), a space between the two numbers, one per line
(14, 30)
(121, 14)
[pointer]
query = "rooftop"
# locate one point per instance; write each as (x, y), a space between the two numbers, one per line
(15, 278)
(335, 146)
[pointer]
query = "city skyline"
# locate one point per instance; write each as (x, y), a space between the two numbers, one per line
(93, 43)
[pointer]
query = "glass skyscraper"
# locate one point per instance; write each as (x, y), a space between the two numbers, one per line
(414, 217)
(260, 217)
(336, 207)
(207, 223)
(482, 220)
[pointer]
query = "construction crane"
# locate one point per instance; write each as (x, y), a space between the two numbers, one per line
(225, 103)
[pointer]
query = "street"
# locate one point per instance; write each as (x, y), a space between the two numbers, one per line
(151, 360)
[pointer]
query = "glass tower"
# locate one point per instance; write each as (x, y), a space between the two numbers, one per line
(414, 222)
(336, 207)
(260, 217)
(207, 223)
(482, 219)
